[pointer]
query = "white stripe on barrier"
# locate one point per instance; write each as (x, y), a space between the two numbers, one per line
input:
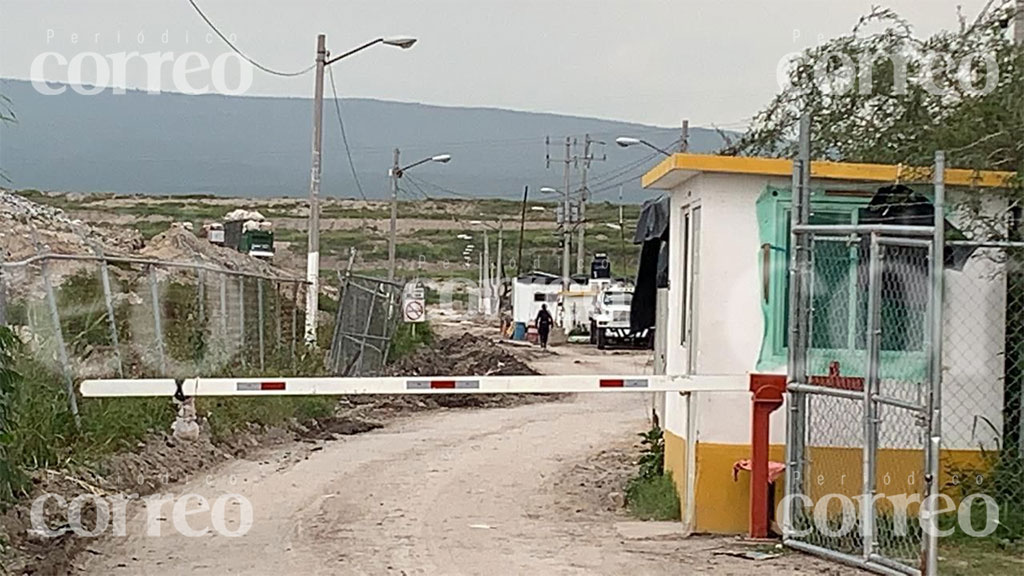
(418, 385)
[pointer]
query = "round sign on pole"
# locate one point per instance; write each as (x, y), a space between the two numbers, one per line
(413, 311)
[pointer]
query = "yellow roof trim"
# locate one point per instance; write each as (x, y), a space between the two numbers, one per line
(697, 163)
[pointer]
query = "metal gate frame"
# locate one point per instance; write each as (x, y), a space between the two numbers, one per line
(803, 386)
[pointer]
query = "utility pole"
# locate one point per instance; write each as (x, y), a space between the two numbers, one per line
(566, 233)
(488, 296)
(622, 234)
(584, 197)
(396, 173)
(522, 232)
(582, 224)
(684, 140)
(313, 250)
(1018, 24)
(498, 280)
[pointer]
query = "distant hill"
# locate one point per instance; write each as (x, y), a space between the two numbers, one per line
(260, 147)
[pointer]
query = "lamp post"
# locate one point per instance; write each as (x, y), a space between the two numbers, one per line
(566, 234)
(396, 173)
(491, 283)
(626, 142)
(313, 250)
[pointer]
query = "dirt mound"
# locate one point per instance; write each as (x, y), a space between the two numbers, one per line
(178, 244)
(24, 222)
(464, 355)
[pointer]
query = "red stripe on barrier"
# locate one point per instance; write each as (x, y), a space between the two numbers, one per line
(442, 383)
(271, 385)
(611, 383)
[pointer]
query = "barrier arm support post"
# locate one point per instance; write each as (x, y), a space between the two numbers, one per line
(767, 390)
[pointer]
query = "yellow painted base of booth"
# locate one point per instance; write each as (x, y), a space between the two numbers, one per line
(721, 505)
(675, 464)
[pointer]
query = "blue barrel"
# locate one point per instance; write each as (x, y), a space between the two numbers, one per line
(520, 331)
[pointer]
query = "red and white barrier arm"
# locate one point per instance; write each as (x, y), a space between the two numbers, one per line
(407, 385)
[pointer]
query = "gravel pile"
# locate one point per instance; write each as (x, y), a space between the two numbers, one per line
(465, 355)
(23, 222)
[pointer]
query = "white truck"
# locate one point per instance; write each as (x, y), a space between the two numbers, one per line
(609, 320)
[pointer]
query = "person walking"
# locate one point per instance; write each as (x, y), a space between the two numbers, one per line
(544, 322)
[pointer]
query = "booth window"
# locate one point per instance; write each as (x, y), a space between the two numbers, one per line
(840, 292)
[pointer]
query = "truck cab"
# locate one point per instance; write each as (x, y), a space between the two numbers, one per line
(609, 321)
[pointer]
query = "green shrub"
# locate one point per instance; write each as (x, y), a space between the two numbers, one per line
(12, 480)
(653, 498)
(409, 337)
(651, 494)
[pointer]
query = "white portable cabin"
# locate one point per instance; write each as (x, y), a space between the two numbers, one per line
(530, 291)
(725, 308)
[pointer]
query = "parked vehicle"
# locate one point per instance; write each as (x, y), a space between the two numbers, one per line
(609, 321)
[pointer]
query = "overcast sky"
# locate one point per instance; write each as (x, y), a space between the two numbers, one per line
(650, 61)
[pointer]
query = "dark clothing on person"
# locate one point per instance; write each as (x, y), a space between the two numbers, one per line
(544, 322)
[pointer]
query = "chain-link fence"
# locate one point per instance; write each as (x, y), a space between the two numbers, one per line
(983, 384)
(860, 396)
(106, 316)
(906, 441)
(365, 322)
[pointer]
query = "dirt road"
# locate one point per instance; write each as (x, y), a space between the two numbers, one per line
(450, 493)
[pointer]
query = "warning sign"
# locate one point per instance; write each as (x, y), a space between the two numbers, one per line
(414, 305)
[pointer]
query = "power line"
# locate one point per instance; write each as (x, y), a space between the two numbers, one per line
(242, 54)
(439, 187)
(344, 136)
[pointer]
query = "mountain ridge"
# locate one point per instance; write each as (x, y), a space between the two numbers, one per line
(259, 146)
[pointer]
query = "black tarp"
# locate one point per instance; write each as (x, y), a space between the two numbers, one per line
(898, 205)
(652, 273)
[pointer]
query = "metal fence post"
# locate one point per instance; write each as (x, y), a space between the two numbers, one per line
(366, 330)
(201, 319)
(335, 361)
(277, 318)
(260, 318)
(62, 351)
(3, 291)
(390, 325)
(157, 324)
(933, 451)
(241, 319)
(224, 311)
(295, 318)
(111, 318)
(873, 344)
(797, 337)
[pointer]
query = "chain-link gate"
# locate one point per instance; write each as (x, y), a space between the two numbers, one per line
(367, 316)
(861, 387)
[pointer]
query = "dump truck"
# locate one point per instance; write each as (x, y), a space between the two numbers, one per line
(249, 233)
(609, 319)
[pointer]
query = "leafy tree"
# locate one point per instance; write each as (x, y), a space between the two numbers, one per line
(882, 94)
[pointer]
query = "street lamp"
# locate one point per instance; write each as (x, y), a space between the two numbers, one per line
(566, 233)
(488, 282)
(396, 172)
(626, 142)
(313, 249)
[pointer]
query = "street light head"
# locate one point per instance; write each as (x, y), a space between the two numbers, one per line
(442, 158)
(548, 190)
(625, 141)
(403, 42)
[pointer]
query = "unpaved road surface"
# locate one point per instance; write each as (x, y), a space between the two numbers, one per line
(452, 493)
